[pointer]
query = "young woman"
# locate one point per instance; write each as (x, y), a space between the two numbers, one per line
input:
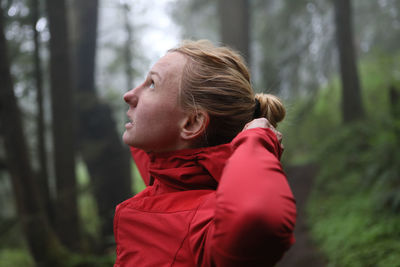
(208, 151)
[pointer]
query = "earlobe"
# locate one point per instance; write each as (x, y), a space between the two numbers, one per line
(195, 125)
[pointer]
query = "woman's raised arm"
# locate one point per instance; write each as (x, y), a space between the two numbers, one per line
(255, 208)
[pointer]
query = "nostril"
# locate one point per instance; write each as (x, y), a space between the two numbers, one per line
(130, 98)
(126, 97)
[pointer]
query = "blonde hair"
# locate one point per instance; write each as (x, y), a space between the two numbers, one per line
(217, 80)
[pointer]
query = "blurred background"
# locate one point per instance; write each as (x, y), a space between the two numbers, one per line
(65, 64)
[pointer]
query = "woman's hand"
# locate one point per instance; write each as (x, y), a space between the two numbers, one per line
(263, 123)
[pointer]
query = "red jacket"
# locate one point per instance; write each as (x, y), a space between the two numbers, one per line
(228, 205)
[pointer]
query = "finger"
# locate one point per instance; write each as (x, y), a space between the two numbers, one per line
(278, 134)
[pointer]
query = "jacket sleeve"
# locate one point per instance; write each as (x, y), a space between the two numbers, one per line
(142, 162)
(255, 209)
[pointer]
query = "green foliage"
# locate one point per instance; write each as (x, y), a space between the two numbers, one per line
(350, 231)
(21, 257)
(310, 121)
(381, 164)
(15, 258)
(350, 223)
(354, 209)
(379, 71)
(79, 260)
(87, 206)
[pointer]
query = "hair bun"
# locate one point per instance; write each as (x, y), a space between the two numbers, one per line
(271, 108)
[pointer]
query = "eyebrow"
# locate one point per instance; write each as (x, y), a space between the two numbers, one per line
(156, 74)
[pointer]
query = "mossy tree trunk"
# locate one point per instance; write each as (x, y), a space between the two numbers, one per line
(352, 107)
(42, 242)
(63, 108)
(100, 144)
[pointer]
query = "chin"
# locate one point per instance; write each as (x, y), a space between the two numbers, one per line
(131, 141)
(127, 139)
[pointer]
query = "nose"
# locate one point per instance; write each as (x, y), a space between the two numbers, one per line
(131, 98)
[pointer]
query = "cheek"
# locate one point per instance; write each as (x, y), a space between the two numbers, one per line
(150, 114)
(160, 106)
(162, 118)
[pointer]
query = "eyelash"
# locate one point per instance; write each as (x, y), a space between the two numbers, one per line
(151, 84)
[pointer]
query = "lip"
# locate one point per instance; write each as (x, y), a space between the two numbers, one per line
(128, 125)
(129, 122)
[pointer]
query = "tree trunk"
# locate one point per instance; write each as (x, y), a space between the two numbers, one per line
(128, 46)
(67, 220)
(234, 17)
(108, 162)
(352, 108)
(42, 242)
(41, 129)
(394, 96)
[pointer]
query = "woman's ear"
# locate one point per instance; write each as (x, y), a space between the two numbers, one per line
(195, 125)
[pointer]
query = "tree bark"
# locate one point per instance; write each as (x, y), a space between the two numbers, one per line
(108, 162)
(394, 96)
(67, 220)
(234, 17)
(128, 44)
(42, 242)
(41, 129)
(352, 108)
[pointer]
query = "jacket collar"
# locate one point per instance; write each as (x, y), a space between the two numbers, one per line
(199, 168)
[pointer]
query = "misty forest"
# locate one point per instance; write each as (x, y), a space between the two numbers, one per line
(65, 65)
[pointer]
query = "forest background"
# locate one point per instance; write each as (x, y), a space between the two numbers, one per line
(64, 65)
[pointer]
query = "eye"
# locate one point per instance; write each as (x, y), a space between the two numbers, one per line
(151, 84)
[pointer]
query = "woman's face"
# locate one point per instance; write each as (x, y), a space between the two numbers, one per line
(155, 115)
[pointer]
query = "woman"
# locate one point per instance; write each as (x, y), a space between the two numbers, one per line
(208, 151)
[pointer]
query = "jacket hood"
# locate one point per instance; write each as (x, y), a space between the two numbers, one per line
(199, 168)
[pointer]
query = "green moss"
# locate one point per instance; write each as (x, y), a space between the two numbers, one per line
(350, 231)
(15, 258)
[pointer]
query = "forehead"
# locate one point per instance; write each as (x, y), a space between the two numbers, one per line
(170, 64)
